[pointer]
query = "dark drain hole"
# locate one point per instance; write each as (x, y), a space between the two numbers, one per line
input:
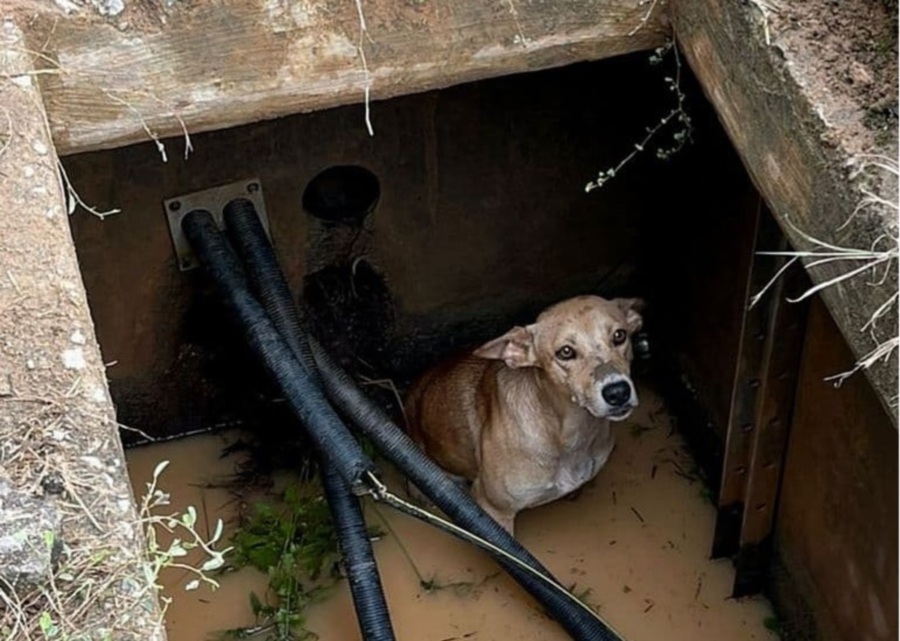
(343, 194)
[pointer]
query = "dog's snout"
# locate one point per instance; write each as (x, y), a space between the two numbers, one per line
(617, 394)
(604, 371)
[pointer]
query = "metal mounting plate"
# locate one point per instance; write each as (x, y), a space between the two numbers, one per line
(212, 200)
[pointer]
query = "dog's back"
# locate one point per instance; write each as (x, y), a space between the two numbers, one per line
(454, 395)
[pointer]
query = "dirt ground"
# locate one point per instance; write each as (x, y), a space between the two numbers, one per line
(846, 51)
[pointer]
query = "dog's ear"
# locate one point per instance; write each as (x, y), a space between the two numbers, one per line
(632, 307)
(515, 348)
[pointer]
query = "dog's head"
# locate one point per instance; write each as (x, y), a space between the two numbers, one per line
(584, 347)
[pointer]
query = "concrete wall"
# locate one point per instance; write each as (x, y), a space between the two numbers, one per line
(483, 217)
(836, 532)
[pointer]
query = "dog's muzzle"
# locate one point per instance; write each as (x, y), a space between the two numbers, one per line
(617, 398)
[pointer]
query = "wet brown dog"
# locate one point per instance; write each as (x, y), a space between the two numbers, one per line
(526, 417)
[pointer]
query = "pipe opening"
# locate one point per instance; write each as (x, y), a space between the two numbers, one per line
(342, 195)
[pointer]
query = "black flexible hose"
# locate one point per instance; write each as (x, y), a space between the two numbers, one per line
(245, 230)
(244, 226)
(359, 559)
(265, 274)
(304, 396)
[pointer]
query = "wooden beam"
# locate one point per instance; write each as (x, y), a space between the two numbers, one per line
(800, 157)
(212, 66)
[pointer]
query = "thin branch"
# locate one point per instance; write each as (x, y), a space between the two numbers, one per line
(680, 138)
(152, 134)
(363, 34)
(74, 200)
(643, 21)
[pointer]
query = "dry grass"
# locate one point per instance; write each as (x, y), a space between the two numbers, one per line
(367, 78)
(7, 132)
(766, 9)
(870, 266)
(40, 439)
(47, 65)
(95, 575)
(651, 6)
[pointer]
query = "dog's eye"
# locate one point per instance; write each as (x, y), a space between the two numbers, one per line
(619, 337)
(565, 353)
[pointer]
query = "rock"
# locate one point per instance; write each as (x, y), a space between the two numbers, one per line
(29, 537)
(860, 74)
(109, 7)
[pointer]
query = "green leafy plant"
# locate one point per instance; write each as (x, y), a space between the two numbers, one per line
(185, 538)
(295, 544)
(773, 624)
(84, 578)
(48, 627)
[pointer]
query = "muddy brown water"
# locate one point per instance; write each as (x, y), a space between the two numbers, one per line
(636, 542)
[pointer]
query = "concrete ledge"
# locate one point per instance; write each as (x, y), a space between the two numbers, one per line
(802, 142)
(59, 439)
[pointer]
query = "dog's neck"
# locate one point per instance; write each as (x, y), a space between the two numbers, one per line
(570, 416)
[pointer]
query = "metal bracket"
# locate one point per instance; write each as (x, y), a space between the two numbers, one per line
(212, 200)
(761, 407)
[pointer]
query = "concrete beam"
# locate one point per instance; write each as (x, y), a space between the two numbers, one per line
(59, 440)
(802, 144)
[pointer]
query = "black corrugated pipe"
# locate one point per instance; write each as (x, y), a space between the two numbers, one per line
(359, 559)
(269, 283)
(304, 396)
(300, 385)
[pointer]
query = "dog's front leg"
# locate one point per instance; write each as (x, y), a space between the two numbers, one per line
(504, 517)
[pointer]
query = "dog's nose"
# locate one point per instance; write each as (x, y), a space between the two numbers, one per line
(617, 394)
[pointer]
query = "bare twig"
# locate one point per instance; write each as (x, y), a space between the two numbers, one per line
(363, 35)
(643, 21)
(680, 138)
(84, 508)
(74, 201)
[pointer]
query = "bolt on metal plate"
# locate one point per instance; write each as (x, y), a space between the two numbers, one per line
(212, 200)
